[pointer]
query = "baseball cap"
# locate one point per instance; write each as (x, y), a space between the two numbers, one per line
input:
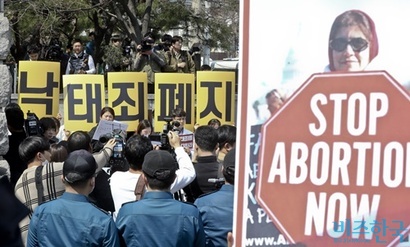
(159, 164)
(80, 165)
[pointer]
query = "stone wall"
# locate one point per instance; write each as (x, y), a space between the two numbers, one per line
(5, 86)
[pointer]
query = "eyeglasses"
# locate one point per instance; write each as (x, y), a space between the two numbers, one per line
(357, 44)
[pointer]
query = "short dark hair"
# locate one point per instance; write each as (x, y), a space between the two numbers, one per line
(12, 105)
(206, 138)
(150, 35)
(166, 38)
(136, 148)
(32, 49)
(47, 123)
(228, 170)
(79, 140)
(58, 152)
(107, 109)
(206, 67)
(157, 184)
(226, 135)
(15, 117)
(58, 124)
(145, 123)
(213, 122)
(30, 146)
(77, 40)
(178, 112)
(176, 38)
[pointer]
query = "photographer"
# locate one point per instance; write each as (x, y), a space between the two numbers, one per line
(178, 60)
(179, 116)
(148, 60)
(165, 44)
(116, 58)
(123, 183)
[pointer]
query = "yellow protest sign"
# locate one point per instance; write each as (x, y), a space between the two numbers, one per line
(84, 97)
(39, 84)
(215, 97)
(128, 96)
(173, 90)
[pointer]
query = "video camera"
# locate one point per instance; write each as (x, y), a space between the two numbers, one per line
(32, 125)
(117, 161)
(146, 44)
(218, 182)
(53, 51)
(163, 137)
(127, 50)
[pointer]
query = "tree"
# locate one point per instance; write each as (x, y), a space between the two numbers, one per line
(213, 22)
(37, 22)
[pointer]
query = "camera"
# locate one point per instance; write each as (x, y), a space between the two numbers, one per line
(127, 51)
(32, 125)
(117, 161)
(163, 137)
(146, 44)
(54, 52)
(218, 182)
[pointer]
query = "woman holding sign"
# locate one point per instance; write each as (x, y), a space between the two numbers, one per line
(107, 113)
(353, 42)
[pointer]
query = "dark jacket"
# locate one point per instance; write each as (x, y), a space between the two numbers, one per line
(206, 167)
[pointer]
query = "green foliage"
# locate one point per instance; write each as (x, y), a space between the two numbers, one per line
(113, 56)
(37, 21)
(216, 26)
(41, 20)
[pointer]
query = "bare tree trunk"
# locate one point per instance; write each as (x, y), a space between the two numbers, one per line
(146, 17)
(130, 21)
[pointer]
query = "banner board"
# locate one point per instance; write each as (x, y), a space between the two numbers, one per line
(39, 85)
(128, 96)
(84, 97)
(173, 90)
(215, 97)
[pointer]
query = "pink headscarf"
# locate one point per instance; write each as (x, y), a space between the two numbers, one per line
(337, 24)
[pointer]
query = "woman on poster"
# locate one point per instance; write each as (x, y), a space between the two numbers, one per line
(353, 42)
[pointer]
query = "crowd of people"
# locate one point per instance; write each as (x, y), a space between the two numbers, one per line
(67, 192)
(150, 56)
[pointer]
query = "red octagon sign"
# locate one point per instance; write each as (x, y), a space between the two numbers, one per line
(335, 162)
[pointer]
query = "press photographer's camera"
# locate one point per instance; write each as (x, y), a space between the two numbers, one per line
(32, 124)
(117, 161)
(127, 51)
(218, 182)
(54, 52)
(146, 44)
(163, 137)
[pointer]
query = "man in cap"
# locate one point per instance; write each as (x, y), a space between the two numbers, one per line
(149, 60)
(71, 219)
(123, 183)
(114, 57)
(41, 181)
(157, 219)
(216, 208)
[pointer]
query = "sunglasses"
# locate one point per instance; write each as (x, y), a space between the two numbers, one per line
(357, 44)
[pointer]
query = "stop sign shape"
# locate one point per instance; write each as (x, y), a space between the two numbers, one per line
(334, 164)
